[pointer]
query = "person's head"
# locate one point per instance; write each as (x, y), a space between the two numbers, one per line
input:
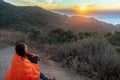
(21, 49)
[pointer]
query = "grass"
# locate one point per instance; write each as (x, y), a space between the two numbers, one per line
(93, 57)
(11, 37)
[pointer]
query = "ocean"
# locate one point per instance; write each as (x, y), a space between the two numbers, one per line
(111, 18)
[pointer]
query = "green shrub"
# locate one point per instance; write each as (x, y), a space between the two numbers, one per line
(117, 50)
(114, 39)
(93, 57)
(58, 35)
(35, 34)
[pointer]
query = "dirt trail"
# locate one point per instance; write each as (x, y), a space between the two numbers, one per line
(51, 68)
(6, 55)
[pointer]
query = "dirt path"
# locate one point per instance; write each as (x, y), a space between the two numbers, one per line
(50, 68)
(5, 60)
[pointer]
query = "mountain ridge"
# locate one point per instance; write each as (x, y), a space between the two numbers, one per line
(26, 17)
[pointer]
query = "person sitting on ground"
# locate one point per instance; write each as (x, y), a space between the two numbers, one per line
(25, 66)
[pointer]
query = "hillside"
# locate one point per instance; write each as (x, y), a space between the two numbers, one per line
(24, 18)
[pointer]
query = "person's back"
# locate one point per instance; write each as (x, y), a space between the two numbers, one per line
(22, 69)
(25, 66)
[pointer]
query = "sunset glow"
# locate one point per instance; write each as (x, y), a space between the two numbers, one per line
(83, 8)
(82, 5)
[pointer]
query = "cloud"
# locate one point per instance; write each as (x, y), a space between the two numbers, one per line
(47, 4)
(49, 1)
(33, 1)
(29, 1)
(53, 1)
(89, 5)
(22, 2)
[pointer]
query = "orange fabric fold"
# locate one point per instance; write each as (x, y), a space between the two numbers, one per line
(22, 69)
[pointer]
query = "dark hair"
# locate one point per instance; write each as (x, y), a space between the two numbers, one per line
(20, 50)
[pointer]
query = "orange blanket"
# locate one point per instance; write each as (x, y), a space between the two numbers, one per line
(22, 69)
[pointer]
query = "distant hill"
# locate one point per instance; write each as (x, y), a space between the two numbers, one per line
(24, 18)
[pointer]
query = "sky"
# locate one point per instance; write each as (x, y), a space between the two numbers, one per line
(70, 4)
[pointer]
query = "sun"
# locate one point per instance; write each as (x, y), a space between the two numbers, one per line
(83, 8)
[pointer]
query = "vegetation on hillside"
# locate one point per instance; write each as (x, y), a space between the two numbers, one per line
(93, 55)
(25, 18)
(11, 37)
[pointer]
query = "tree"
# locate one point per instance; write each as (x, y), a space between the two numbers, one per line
(83, 35)
(69, 36)
(35, 34)
(114, 39)
(56, 35)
